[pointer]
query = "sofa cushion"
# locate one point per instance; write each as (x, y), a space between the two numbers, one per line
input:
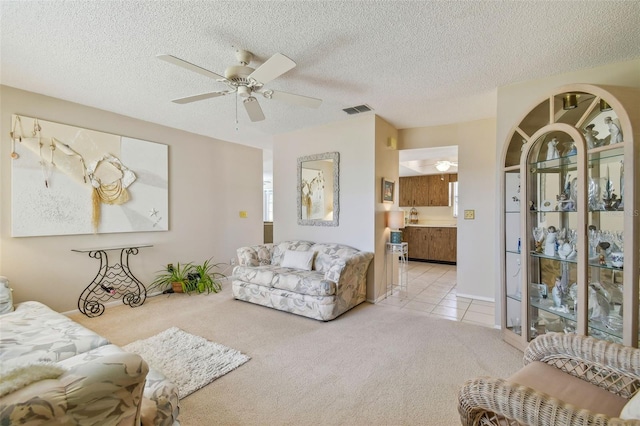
(36, 333)
(296, 280)
(280, 249)
(567, 388)
(329, 253)
(260, 275)
(255, 255)
(631, 410)
(311, 283)
(298, 259)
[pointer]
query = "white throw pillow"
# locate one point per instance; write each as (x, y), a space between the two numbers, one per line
(14, 378)
(631, 410)
(298, 259)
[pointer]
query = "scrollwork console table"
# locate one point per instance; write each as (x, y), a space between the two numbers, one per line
(112, 281)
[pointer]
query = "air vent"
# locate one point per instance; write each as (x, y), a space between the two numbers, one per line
(357, 109)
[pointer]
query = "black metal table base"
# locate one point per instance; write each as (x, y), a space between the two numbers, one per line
(111, 282)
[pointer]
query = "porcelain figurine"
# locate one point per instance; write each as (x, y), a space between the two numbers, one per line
(552, 149)
(614, 131)
(567, 251)
(590, 136)
(550, 242)
(556, 294)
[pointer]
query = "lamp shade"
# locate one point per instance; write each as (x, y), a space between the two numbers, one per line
(395, 219)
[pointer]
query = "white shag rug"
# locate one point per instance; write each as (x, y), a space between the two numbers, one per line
(191, 362)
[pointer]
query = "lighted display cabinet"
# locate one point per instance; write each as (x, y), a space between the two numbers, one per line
(570, 217)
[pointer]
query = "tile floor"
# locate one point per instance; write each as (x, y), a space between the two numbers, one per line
(431, 289)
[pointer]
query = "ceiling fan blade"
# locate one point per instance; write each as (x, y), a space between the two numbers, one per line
(199, 97)
(253, 109)
(293, 99)
(188, 65)
(275, 66)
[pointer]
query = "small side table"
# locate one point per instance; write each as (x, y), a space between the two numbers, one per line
(112, 281)
(396, 261)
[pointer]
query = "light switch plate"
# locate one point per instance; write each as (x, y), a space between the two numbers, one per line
(469, 214)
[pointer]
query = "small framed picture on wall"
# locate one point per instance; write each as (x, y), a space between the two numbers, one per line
(388, 190)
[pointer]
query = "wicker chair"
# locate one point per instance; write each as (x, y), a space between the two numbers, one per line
(609, 366)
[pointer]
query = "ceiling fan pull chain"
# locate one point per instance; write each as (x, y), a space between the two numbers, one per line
(236, 111)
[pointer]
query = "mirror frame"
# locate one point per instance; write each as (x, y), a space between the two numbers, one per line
(335, 156)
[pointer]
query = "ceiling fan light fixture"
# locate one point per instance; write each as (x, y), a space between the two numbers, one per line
(244, 92)
(443, 166)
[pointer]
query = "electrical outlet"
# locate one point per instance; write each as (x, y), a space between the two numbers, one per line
(470, 214)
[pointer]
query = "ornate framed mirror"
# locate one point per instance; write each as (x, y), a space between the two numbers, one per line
(319, 189)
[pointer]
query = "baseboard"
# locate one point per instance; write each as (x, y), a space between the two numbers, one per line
(472, 296)
(439, 262)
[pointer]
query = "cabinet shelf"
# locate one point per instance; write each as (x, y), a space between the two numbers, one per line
(593, 262)
(546, 305)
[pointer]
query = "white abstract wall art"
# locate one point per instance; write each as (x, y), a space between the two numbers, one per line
(68, 180)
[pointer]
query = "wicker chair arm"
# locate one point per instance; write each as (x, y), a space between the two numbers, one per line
(492, 400)
(624, 360)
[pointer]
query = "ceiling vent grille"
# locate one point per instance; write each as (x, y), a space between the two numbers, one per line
(357, 109)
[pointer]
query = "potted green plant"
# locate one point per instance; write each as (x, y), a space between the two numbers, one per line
(208, 279)
(189, 278)
(175, 277)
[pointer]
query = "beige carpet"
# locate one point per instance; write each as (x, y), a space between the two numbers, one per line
(374, 365)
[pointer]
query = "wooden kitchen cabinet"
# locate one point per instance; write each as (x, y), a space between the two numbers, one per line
(413, 191)
(426, 190)
(438, 190)
(405, 192)
(431, 243)
(443, 244)
(417, 239)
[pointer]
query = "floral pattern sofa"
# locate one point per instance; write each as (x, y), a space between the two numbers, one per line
(97, 384)
(335, 283)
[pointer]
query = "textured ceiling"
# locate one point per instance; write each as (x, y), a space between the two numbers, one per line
(415, 63)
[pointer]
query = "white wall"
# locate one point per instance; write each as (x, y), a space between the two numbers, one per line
(210, 181)
(476, 191)
(361, 220)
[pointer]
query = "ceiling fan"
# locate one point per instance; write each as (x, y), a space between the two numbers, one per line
(246, 81)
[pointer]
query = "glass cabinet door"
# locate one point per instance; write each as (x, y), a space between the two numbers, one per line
(552, 247)
(605, 201)
(513, 248)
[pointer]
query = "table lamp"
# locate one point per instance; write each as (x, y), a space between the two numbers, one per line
(395, 221)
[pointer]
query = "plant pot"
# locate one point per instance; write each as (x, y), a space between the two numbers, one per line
(177, 287)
